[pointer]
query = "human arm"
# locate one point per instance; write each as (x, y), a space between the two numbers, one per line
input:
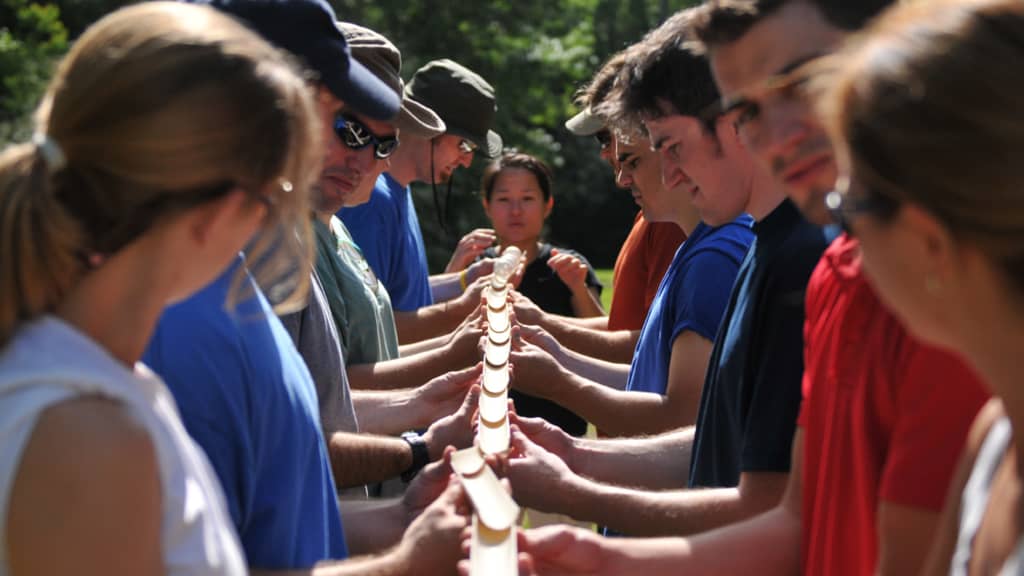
(938, 398)
(430, 544)
(770, 542)
(459, 351)
(91, 465)
(451, 284)
(541, 480)
(617, 412)
(588, 336)
(358, 459)
(392, 412)
(940, 557)
(660, 462)
(441, 318)
(611, 374)
(574, 271)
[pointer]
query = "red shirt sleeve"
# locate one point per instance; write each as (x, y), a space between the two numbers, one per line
(937, 399)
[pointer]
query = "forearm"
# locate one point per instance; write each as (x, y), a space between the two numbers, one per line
(615, 412)
(444, 287)
(659, 462)
(617, 346)
(404, 372)
(585, 303)
(372, 525)
(674, 513)
(430, 321)
(388, 412)
(423, 345)
(611, 374)
(358, 459)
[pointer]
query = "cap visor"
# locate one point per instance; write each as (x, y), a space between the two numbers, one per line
(585, 124)
(365, 93)
(494, 144)
(418, 120)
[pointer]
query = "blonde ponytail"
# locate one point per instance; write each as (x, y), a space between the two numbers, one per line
(38, 239)
(158, 107)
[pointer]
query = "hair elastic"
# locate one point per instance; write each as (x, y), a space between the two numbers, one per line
(50, 151)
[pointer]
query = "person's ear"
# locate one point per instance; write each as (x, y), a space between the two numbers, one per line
(931, 243)
(548, 206)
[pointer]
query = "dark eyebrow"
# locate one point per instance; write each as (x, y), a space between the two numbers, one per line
(790, 67)
(625, 156)
(727, 106)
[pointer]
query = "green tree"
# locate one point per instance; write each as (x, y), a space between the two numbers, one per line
(536, 54)
(31, 40)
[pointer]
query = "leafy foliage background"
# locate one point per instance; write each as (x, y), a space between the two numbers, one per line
(536, 54)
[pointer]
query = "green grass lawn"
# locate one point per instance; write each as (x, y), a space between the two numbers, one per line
(605, 276)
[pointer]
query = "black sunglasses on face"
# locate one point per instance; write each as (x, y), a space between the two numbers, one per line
(354, 135)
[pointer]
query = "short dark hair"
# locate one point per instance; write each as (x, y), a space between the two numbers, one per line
(719, 22)
(508, 160)
(666, 65)
(601, 84)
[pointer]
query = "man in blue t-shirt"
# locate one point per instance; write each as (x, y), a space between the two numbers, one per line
(387, 228)
(660, 389)
(247, 399)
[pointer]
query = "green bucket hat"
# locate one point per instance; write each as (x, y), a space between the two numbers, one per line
(463, 100)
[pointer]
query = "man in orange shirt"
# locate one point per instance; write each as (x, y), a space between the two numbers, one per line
(642, 261)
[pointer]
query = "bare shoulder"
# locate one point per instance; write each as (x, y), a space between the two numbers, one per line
(989, 414)
(93, 432)
(88, 477)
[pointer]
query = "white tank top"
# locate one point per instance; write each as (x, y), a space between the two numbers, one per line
(975, 499)
(49, 362)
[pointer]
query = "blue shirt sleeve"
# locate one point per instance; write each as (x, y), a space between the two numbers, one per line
(374, 227)
(701, 303)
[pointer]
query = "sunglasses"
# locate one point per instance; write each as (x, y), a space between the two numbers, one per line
(844, 208)
(355, 136)
(604, 139)
(466, 147)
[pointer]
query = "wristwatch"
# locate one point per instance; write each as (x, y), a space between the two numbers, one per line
(420, 455)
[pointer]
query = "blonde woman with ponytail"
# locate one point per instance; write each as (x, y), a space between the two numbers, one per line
(169, 137)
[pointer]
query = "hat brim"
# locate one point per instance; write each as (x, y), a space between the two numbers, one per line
(585, 124)
(418, 120)
(364, 92)
(495, 145)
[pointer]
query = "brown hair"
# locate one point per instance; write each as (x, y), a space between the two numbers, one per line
(666, 65)
(925, 108)
(718, 22)
(157, 108)
(601, 84)
(531, 164)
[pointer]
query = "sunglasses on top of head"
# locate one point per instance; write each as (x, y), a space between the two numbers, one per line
(356, 136)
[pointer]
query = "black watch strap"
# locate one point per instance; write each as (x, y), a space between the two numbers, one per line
(420, 455)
